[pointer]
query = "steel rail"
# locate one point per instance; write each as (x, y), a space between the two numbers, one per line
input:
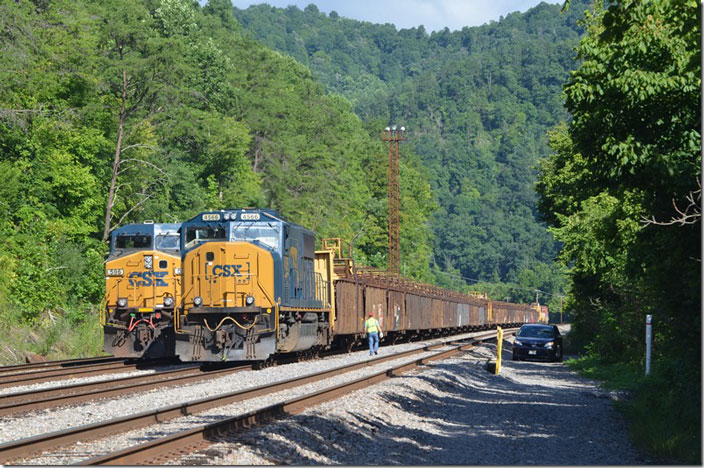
(159, 450)
(34, 377)
(13, 403)
(62, 363)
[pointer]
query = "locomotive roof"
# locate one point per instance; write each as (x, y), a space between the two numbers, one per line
(143, 229)
(241, 215)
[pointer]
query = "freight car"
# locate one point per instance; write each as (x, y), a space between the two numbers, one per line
(253, 286)
(142, 289)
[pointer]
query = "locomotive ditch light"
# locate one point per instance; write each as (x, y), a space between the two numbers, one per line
(249, 300)
(197, 301)
(177, 271)
(122, 302)
(168, 301)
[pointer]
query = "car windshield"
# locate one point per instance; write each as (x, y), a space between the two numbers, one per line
(535, 332)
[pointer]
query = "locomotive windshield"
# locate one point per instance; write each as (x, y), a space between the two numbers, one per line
(198, 234)
(133, 241)
(167, 242)
(266, 233)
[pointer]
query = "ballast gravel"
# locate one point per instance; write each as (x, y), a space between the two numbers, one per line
(450, 412)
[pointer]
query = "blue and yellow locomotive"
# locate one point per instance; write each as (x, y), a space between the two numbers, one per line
(250, 288)
(142, 290)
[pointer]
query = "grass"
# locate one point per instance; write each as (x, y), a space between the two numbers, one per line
(51, 336)
(664, 410)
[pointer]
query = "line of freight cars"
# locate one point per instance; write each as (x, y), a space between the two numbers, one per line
(246, 285)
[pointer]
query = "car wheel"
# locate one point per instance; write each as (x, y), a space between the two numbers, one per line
(558, 354)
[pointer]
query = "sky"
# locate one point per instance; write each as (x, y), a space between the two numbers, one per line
(434, 15)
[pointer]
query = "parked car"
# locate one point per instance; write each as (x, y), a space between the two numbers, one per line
(537, 341)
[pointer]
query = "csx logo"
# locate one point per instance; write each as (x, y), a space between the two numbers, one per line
(224, 271)
(147, 278)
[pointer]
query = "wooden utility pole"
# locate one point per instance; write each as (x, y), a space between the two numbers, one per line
(394, 136)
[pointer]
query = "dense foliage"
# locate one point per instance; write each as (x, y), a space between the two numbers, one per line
(622, 192)
(186, 114)
(477, 104)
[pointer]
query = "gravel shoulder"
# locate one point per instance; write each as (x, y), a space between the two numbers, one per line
(452, 413)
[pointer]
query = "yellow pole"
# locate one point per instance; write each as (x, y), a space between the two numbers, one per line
(500, 340)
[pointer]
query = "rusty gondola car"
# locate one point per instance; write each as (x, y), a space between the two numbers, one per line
(408, 309)
(253, 287)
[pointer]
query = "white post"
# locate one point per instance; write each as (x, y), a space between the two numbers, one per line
(648, 341)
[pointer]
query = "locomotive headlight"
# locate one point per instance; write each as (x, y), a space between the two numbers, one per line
(148, 262)
(177, 271)
(122, 302)
(249, 300)
(116, 272)
(227, 216)
(168, 301)
(197, 301)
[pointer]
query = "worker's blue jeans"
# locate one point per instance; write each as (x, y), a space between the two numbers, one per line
(373, 342)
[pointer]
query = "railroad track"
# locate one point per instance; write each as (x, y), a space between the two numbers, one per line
(13, 403)
(74, 370)
(164, 448)
(57, 364)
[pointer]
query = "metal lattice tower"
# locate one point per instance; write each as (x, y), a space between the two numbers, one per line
(394, 136)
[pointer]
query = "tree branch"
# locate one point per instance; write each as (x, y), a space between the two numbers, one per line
(691, 214)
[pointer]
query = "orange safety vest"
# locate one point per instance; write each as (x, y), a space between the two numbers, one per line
(372, 325)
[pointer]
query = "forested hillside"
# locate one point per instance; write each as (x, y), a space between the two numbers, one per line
(166, 105)
(477, 104)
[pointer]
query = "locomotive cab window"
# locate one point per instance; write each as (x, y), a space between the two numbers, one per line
(196, 235)
(265, 233)
(167, 242)
(133, 242)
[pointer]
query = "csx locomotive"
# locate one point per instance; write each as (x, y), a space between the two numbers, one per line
(250, 288)
(254, 286)
(142, 289)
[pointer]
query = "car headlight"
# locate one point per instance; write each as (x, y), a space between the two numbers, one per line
(122, 302)
(249, 300)
(148, 262)
(549, 344)
(517, 343)
(116, 272)
(226, 216)
(168, 301)
(197, 301)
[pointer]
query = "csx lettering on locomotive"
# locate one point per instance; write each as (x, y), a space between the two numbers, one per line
(225, 271)
(148, 278)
